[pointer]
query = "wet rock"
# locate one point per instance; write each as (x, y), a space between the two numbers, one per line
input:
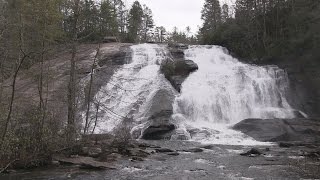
(159, 121)
(157, 132)
(194, 150)
(160, 104)
(120, 57)
(174, 154)
(164, 150)
(177, 70)
(208, 147)
(138, 153)
(177, 81)
(281, 130)
(84, 162)
(285, 144)
(137, 159)
(144, 145)
(178, 45)
(198, 133)
(252, 153)
(177, 53)
(180, 134)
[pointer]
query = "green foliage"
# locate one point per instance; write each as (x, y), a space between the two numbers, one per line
(182, 36)
(267, 28)
(211, 15)
(148, 23)
(30, 141)
(135, 21)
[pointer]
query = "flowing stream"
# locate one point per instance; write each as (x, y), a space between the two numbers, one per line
(220, 94)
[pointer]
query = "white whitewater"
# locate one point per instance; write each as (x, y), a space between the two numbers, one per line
(220, 94)
(130, 86)
(225, 91)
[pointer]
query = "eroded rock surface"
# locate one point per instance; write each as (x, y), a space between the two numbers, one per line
(177, 69)
(160, 125)
(276, 130)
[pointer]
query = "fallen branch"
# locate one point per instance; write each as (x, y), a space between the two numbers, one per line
(4, 170)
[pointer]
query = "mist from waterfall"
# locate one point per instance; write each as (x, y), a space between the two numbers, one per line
(225, 91)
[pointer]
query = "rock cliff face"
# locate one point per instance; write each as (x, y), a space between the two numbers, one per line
(112, 56)
(304, 76)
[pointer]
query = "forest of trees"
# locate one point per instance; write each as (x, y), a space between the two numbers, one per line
(256, 29)
(31, 32)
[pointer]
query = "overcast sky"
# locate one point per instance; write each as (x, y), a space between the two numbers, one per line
(179, 13)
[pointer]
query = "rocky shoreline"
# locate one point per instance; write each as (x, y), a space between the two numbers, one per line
(185, 159)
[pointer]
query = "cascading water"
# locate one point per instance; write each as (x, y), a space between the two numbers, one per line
(130, 86)
(221, 93)
(225, 91)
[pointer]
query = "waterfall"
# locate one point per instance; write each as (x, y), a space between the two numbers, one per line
(225, 91)
(130, 86)
(220, 94)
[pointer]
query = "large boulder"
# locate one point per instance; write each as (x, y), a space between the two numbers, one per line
(177, 53)
(161, 100)
(176, 71)
(160, 125)
(277, 130)
(178, 45)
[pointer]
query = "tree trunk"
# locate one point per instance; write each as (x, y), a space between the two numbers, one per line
(86, 126)
(96, 119)
(71, 134)
(13, 91)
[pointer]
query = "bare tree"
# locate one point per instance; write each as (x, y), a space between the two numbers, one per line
(97, 105)
(13, 91)
(86, 126)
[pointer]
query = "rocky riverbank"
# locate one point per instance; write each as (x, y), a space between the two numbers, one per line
(190, 160)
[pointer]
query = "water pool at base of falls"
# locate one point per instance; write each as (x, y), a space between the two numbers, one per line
(220, 94)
